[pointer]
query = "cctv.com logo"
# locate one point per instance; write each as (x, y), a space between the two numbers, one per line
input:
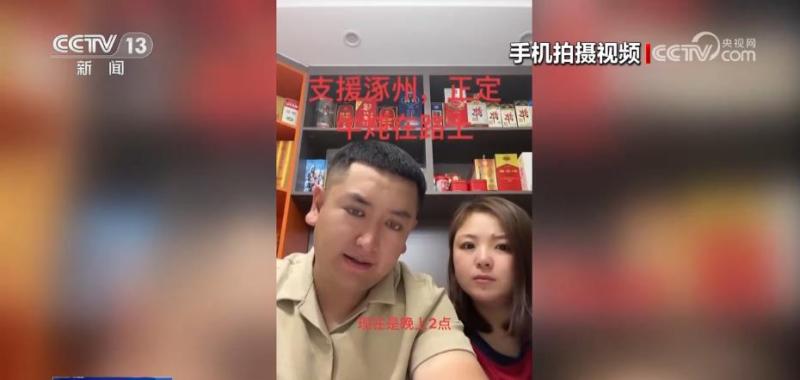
(704, 47)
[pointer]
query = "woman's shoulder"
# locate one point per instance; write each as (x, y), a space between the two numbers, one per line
(481, 345)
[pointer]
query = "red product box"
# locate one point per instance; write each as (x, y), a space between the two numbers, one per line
(508, 169)
(455, 113)
(477, 185)
(345, 116)
(459, 185)
(367, 115)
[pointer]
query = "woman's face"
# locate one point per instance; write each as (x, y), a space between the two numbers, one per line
(482, 260)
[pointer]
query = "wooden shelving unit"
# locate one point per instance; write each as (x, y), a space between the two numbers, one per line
(285, 131)
(292, 233)
(433, 156)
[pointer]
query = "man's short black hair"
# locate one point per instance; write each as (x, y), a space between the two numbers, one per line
(382, 156)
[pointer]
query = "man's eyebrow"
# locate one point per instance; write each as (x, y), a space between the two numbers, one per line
(472, 236)
(402, 214)
(359, 199)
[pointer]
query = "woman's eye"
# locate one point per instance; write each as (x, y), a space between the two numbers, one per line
(466, 246)
(354, 212)
(503, 247)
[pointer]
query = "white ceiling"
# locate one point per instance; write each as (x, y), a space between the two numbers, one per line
(401, 33)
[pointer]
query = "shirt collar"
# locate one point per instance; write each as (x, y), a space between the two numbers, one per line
(297, 285)
(385, 291)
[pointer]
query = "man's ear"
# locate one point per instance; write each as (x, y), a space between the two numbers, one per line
(318, 195)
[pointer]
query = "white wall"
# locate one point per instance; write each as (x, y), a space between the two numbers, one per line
(428, 252)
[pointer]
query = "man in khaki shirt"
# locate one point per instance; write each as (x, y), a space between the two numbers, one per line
(349, 309)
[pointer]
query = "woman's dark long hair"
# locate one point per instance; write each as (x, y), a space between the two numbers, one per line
(516, 225)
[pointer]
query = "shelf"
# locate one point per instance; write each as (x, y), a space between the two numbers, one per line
(440, 193)
(490, 129)
(291, 233)
(316, 141)
(446, 129)
(284, 131)
(433, 156)
(311, 118)
(480, 193)
(302, 199)
(440, 206)
(485, 142)
(280, 201)
(291, 82)
(512, 87)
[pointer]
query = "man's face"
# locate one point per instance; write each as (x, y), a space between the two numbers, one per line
(362, 221)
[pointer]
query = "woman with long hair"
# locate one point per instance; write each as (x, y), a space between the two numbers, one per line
(489, 282)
